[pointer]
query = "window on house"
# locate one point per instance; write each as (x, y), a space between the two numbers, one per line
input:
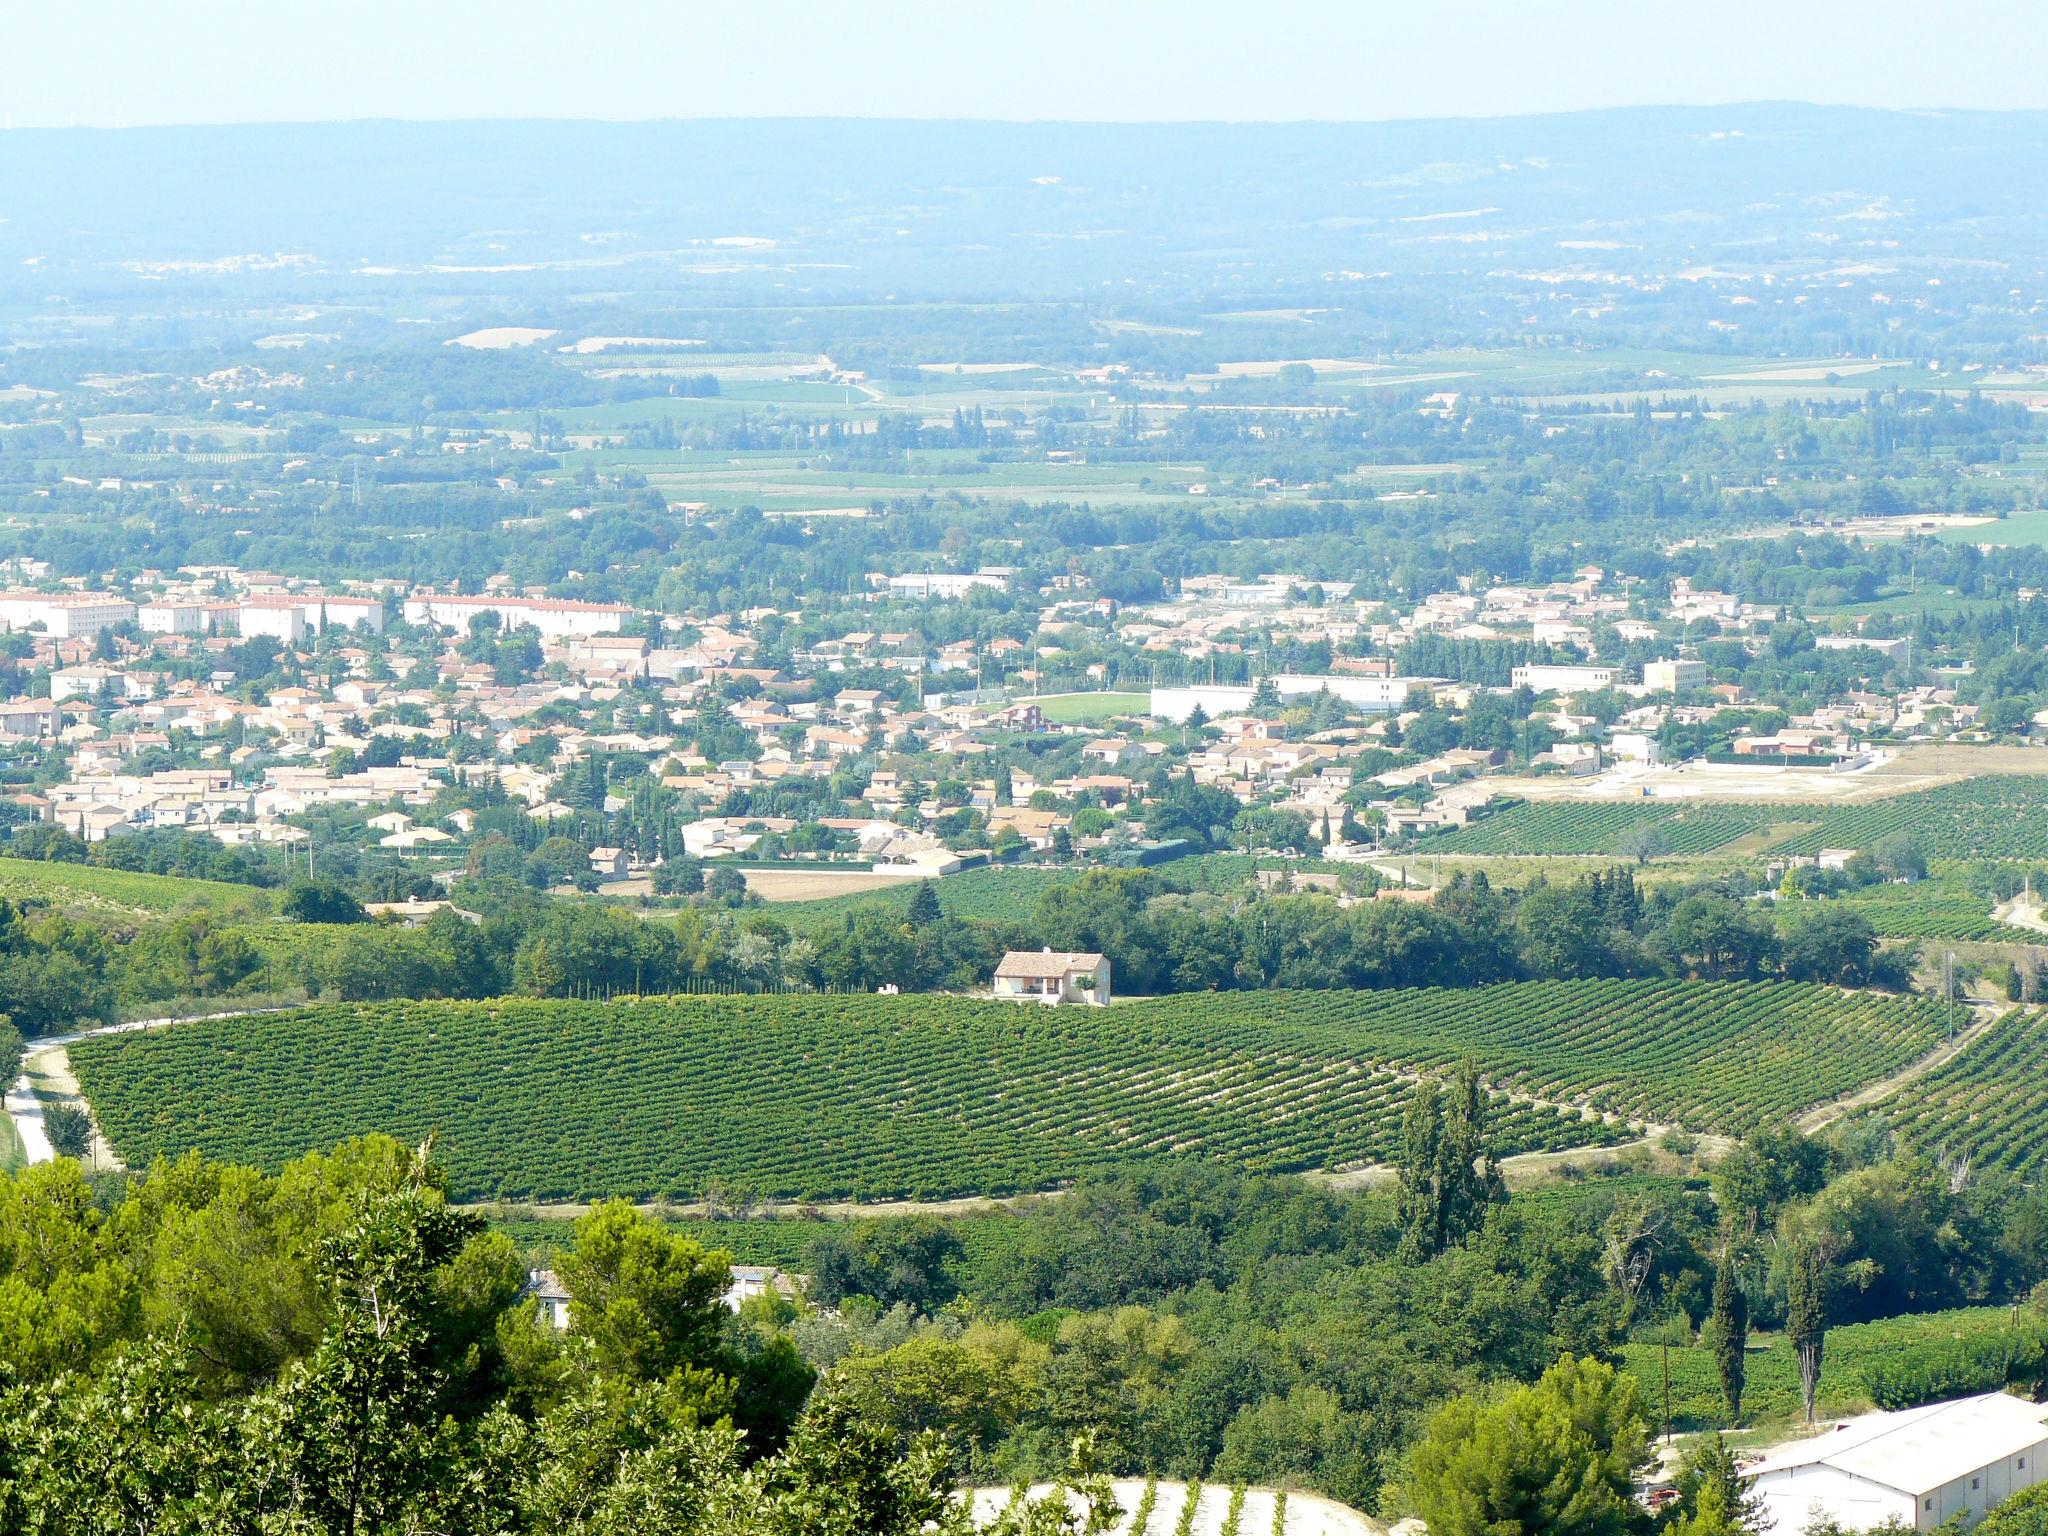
(1930, 1503)
(1974, 1484)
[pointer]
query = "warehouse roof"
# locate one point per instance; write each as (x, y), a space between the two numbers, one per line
(1917, 1450)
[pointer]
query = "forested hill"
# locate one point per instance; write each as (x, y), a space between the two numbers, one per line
(870, 205)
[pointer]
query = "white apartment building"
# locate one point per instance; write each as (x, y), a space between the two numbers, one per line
(553, 617)
(323, 611)
(64, 616)
(281, 618)
(1675, 676)
(173, 618)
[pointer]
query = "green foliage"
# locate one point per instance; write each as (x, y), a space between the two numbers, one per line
(648, 1300)
(908, 1260)
(1729, 1321)
(1896, 1362)
(1448, 1174)
(1553, 1459)
(319, 901)
(1806, 1319)
(69, 1129)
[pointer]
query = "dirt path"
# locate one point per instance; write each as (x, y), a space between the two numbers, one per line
(45, 1083)
(46, 1076)
(1823, 1115)
(2021, 914)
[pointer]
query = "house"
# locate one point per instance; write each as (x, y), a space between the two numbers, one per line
(551, 1298)
(1920, 1466)
(1053, 976)
(751, 1280)
(608, 863)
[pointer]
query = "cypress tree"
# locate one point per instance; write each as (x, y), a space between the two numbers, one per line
(1731, 1331)
(1806, 1320)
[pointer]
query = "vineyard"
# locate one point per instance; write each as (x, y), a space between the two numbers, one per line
(812, 1097)
(1994, 817)
(1896, 1363)
(86, 891)
(1988, 1104)
(1922, 910)
(1536, 827)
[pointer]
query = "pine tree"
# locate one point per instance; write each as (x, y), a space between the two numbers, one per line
(924, 905)
(1731, 1331)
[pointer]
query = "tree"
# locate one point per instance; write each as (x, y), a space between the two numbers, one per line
(1553, 1459)
(1731, 1331)
(649, 1300)
(1711, 1494)
(319, 901)
(1806, 1318)
(1448, 1176)
(69, 1129)
(1834, 944)
(924, 905)
(906, 1259)
(1641, 842)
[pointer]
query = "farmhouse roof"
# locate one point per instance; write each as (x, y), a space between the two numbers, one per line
(1023, 965)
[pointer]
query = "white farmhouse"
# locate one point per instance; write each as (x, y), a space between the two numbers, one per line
(1053, 976)
(1918, 1465)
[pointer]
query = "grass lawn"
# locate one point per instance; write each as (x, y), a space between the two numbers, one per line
(1083, 708)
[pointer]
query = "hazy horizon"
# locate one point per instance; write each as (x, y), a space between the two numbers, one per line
(115, 65)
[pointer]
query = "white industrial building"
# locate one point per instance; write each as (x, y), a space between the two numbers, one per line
(921, 585)
(1920, 1466)
(1561, 679)
(553, 617)
(1374, 695)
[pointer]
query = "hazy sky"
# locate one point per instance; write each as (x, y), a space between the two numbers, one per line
(108, 62)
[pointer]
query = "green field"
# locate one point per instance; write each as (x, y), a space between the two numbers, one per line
(1994, 816)
(994, 893)
(810, 1097)
(85, 890)
(1997, 816)
(1989, 1104)
(1088, 708)
(1540, 827)
(1892, 1363)
(2022, 528)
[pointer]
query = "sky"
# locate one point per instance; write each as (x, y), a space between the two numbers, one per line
(115, 63)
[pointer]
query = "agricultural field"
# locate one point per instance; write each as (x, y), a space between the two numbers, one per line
(1926, 909)
(815, 1097)
(1989, 1104)
(1895, 1363)
(1600, 827)
(83, 890)
(2001, 816)
(994, 893)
